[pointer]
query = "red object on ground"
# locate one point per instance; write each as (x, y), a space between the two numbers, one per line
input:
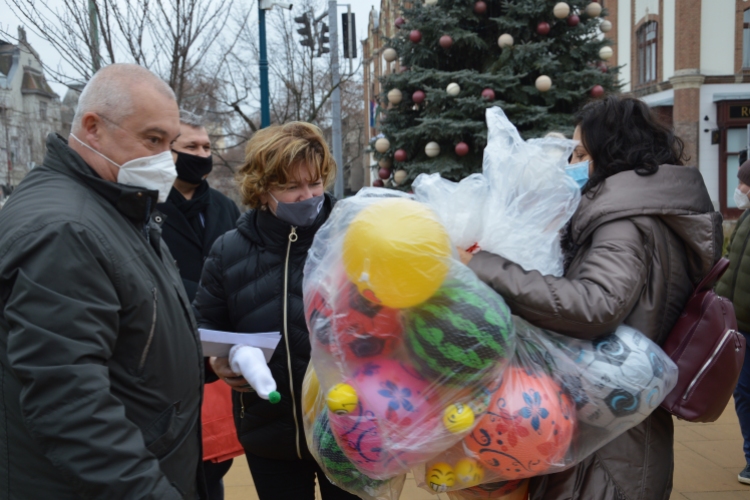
(220, 441)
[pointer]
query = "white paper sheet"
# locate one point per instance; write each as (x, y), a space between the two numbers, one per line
(216, 343)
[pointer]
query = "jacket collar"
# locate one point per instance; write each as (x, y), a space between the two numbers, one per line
(267, 230)
(135, 203)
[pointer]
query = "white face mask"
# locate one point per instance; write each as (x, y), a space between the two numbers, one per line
(741, 199)
(155, 172)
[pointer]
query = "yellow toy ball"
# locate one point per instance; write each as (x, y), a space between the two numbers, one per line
(342, 399)
(310, 394)
(469, 472)
(458, 418)
(397, 253)
(440, 477)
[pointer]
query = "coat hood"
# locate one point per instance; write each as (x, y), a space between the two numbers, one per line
(675, 194)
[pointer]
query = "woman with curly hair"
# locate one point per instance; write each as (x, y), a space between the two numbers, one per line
(643, 236)
(252, 282)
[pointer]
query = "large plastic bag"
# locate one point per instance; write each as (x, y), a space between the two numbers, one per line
(405, 341)
(560, 400)
(518, 205)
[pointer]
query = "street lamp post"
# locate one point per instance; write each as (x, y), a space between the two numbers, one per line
(265, 100)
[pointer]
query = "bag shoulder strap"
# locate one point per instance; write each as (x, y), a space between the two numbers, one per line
(713, 276)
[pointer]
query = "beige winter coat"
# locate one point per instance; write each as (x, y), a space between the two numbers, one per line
(641, 244)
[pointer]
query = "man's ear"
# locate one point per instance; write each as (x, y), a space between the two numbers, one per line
(92, 125)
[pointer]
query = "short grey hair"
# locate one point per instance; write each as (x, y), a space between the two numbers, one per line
(191, 119)
(109, 92)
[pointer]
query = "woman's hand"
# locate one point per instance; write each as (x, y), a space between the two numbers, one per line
(465, 256)
(222, 370)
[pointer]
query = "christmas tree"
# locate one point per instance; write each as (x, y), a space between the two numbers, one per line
(540, 60)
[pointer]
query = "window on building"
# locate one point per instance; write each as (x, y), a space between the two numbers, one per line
(736, 142)
(42, 110)
(746, 39)
(647, 51)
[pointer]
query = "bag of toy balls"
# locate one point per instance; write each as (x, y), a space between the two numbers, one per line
(405, 340)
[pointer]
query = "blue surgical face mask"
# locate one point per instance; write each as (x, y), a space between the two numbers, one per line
(579, 172)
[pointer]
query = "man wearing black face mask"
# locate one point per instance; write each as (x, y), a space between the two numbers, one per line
(195, 216)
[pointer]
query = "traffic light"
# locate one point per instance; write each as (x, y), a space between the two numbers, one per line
(347, 41)
(323, 40)
(305, 31)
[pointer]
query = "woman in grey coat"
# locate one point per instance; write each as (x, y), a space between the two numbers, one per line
(643, 236)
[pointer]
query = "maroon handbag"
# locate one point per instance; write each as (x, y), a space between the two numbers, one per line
(709, 352)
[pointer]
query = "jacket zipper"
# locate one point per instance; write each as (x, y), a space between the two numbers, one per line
(292, 239)
(708, 362)
(150, 333)
(242, 405)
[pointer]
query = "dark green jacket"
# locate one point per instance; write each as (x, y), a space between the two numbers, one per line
(735, 284)
(100, 366)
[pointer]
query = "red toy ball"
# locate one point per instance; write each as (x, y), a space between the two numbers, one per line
(400, 21)
(527, 429)
(400, 155)
(543, 28)
(384, 173)
(488, 94)
(446, 41)
(378, 183)
(462, 149)
(415, 36)
(418, 97)
(363, 329)
(573, 20)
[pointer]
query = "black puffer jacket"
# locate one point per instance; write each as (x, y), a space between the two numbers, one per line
(252, 282)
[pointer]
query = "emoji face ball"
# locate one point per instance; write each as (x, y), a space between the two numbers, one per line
(527, 429)
(458, 418)
(342, 399)
(469, 472)
(440, 477)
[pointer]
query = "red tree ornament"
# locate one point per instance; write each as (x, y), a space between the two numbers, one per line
(446, 41)
(543, 28)
(480, 7)
(377, 183)
(384, 173)
(462, 149)
(488, 94)
(573, 20)
(415, 36)
(418, 97)
(597, 91)
(400, 155)
(603, 67)
(400, 21)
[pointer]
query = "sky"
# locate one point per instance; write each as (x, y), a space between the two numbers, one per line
(10, 22)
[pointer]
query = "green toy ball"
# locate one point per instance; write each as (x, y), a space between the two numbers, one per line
(460, 334)
(274, 397)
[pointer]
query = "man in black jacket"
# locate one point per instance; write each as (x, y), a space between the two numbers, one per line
(196, 215)
(101, 369)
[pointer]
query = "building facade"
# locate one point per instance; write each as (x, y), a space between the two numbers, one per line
(690, 61)
(380, 25)
(29, 110)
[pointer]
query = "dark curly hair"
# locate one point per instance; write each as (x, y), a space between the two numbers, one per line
(621, 133)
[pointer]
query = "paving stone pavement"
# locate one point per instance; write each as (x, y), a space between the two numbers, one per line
(708, 458)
